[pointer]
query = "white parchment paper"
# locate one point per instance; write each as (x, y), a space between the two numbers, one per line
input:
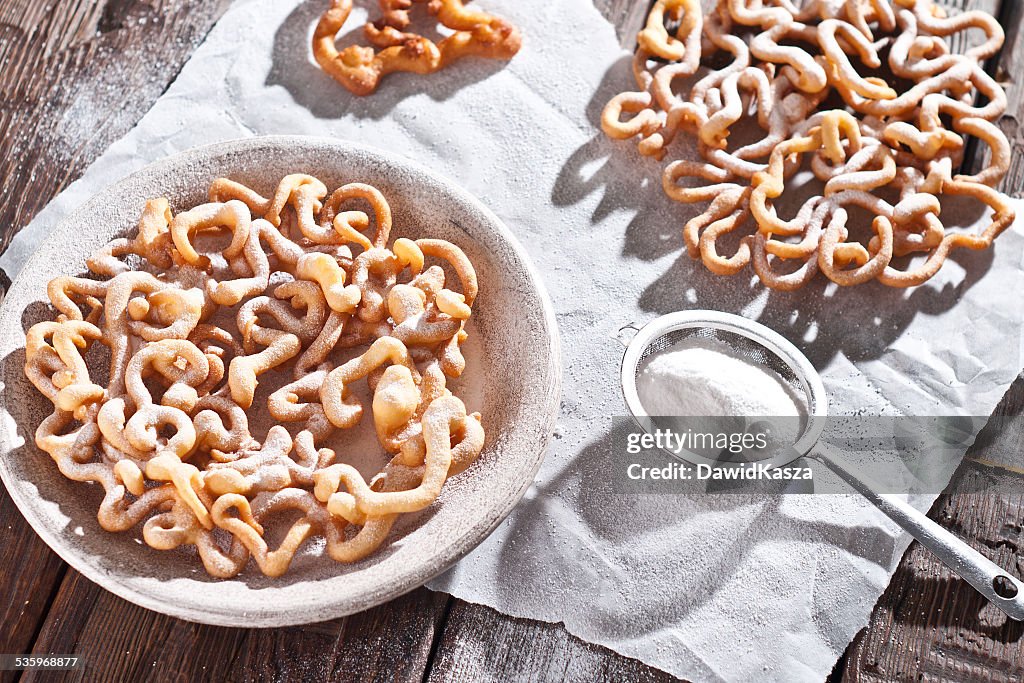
(706, 587)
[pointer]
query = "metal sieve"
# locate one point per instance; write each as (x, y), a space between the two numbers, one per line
(756, 343)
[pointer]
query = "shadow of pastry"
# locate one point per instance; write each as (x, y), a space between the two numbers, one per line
(628, 182)
(294, 69)
(822, 319)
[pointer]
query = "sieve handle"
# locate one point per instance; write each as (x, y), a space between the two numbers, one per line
(1003, 590)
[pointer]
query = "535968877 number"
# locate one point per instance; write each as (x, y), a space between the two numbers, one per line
(38, 662)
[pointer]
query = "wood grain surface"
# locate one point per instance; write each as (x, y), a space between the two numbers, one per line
(481, 644)
(75, 75)
(1009, 70)
(120, 641)
(929, 623)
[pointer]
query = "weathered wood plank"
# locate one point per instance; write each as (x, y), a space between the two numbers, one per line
(480, 644)
(30, 574)
(931, 624)
(392, 642)
(1009, 72)
(75, 75)
(120, 641)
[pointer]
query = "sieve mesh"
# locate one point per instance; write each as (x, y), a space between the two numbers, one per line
(741, 346)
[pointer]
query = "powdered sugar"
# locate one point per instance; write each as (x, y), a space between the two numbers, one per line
(705, 378)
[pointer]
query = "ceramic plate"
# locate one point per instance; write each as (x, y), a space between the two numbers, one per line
(512, 379)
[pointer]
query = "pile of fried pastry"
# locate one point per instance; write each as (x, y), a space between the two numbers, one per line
(393, 46)
(865, 94)
(302, 291)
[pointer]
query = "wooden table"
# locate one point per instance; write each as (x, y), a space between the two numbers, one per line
(75, 75)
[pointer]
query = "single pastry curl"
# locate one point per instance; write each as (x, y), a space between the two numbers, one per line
(392, 48)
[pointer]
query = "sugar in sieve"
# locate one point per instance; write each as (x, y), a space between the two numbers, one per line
(758, 344)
